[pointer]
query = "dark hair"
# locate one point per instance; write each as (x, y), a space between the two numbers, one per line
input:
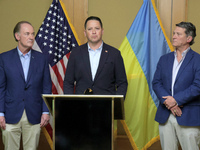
(18, 27)
(190, 29)
(93, 18)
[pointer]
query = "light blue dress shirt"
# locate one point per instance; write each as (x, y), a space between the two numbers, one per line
(94, 56)
(25, 61)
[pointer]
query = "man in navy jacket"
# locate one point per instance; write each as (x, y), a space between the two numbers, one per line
(24, 77)
(177, 85)
(95, 65)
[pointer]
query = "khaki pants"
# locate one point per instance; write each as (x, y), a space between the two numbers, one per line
(30, 135)
(171, 134)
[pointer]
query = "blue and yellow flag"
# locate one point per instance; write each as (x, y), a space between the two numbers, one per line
(141, 49)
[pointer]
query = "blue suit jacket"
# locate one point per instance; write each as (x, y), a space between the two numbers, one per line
(16, 94)
(109, 77)
(186, 88)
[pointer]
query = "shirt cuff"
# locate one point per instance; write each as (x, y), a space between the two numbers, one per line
(1, 114)
(45, 113)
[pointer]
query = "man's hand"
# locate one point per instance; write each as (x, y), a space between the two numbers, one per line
(44, 120)
(2, 122)
(169, 101)
(176, 111)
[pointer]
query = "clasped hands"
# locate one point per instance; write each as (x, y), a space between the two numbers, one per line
(171, 104)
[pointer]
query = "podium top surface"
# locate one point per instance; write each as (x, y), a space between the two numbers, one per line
(79, 96)
(117, 99)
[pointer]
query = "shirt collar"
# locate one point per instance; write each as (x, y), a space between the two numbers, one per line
(100, 47)
(183, 53)
(21, 54)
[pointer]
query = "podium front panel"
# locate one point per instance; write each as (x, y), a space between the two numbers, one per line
(83, 124)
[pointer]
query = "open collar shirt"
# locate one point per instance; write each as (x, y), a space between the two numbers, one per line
(177, 66)
(94, 56)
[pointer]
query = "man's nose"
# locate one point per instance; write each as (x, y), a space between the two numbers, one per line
(32, 36)
(93, 31)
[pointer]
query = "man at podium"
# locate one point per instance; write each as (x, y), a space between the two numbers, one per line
(95, 67)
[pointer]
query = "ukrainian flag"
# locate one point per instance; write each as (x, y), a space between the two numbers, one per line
(141, 49)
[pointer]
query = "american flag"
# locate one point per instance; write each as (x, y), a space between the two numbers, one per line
(56, 38)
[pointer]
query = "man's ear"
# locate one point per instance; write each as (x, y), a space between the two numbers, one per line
(85, 33)
(17, 36)
(189, 39)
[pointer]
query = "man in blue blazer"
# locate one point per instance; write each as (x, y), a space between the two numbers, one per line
(24, 76)
(95, 65)
(177, 85)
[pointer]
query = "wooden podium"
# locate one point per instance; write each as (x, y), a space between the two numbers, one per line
(84, 122)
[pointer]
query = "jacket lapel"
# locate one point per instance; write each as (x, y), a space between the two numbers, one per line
(171, 63)
(18, 63)
(31, 66)
(187, 59)
(86, 60)
(103, 58)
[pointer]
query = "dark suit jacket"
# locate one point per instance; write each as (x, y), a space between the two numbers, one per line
(16, 94)
(186, 88)
(110, 78)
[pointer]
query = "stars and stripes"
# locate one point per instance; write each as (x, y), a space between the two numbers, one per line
(56, 38)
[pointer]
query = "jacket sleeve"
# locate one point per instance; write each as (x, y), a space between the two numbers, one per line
(68, 83)
(188, 87)
(157, 83)
(2, 86)
(47, 84)
(120, 73)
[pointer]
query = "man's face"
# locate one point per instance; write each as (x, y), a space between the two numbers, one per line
(26, 36)
(180, 39)
(93, 31)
